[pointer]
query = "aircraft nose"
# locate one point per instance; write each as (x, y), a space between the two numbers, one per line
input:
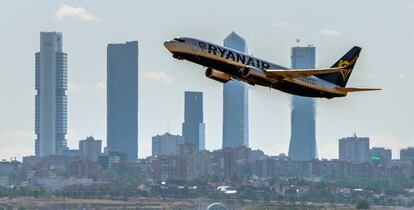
(169, 44)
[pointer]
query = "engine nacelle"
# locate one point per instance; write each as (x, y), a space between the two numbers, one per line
(218, 75)
(252, 72)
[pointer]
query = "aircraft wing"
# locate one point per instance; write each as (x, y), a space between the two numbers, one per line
(301, 72)
(352, 89)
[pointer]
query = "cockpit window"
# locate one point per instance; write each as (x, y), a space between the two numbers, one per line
(178, 39)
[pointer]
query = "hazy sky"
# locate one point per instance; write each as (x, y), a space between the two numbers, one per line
(384, 30)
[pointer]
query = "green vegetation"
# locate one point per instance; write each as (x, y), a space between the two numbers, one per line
(362, 204)
(294, 206)
(12, 192)
(347, 191)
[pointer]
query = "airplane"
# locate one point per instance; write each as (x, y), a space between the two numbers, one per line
(225, 64)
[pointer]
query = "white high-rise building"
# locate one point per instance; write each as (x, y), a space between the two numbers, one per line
(50, 99)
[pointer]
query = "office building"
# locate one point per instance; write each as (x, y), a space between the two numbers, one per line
(193, 126)
(407, 153)
(235, 103)
(380, 153)
(50, 99)
(302, 144)
(122, 99)
(166, 144)
(354, 149)
(90, 148)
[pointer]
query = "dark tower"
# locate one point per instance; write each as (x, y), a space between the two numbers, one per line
(122, 99)
(303, 139)
(193, 126)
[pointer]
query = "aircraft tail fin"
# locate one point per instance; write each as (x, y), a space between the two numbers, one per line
(348, 62)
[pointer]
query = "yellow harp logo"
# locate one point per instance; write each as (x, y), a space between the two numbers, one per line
(344, 72)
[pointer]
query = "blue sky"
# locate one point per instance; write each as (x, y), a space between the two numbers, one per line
(384, 30)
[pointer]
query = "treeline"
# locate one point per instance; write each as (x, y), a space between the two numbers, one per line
(20, 191)
(293, 190)
(106, 190)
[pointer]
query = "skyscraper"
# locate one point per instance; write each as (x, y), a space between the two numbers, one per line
(50, 99)
(302, 144)
(354, 149)
(193, 126)
(122, 99)
(235, 103)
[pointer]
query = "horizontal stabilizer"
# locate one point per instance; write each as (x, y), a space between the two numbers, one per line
(351, 89)
(301, 72)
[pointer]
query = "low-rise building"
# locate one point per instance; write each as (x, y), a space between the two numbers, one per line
(407, 153)
(59, 182)
(380, 154)
(90, 148)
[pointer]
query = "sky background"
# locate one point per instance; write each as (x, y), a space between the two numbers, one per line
(384, 30)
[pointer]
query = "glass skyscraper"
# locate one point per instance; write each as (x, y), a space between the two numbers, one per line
(122, 99)
(50, 99)
(193, 126)
(235, 103)
(303, 138)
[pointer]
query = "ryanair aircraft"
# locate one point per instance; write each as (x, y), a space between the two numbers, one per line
(224, 64)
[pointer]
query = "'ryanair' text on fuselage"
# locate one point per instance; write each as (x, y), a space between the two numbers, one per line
(237, 57)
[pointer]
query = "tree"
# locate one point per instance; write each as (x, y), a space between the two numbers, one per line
(362, 204)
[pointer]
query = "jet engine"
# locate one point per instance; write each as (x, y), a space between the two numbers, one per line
(218, 75)
(253, 73)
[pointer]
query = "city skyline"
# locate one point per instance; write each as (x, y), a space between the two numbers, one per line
(162, 75)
